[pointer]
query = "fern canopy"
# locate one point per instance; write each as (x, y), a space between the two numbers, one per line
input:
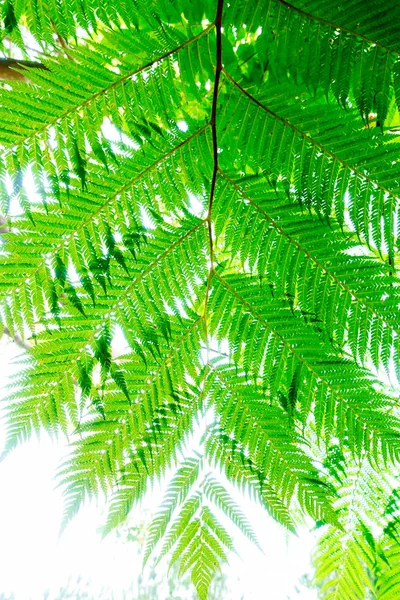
(200, 237)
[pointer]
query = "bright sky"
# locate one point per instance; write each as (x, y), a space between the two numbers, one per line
(33, 558)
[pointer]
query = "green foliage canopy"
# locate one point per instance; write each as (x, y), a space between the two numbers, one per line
(218, 183)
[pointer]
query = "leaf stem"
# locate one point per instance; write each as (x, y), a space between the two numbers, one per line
(213, 123)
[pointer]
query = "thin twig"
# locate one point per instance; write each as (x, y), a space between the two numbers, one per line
(4, 226)
(12, 69)
(61, 41)
(17, 339)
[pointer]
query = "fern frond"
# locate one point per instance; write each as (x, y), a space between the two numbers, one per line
(223, 450)
(388, 573)
(177, 491)
(326, 166)
(263, 431)
(277, 344)
(36, 405)
(312, 266)
(195, 534)
(197, 227)
(346, 560)
(331, 52)
(220, 497)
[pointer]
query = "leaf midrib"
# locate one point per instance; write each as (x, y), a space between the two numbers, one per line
(77, 107)
(98, 211)
(318, 376)
(338, 27)
(309, 256)
(311, 140)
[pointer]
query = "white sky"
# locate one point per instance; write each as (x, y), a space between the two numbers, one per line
(33, 558)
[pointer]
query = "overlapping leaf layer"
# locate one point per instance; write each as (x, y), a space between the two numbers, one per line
(200, 234)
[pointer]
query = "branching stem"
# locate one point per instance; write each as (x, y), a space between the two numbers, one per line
(213, 123)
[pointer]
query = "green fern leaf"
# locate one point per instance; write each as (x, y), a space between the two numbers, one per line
(199, 221)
